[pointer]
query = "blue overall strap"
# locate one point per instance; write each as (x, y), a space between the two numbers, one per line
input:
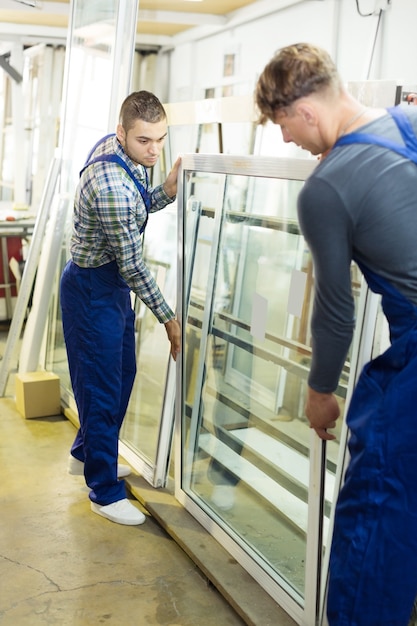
(114, 158)
(408, 151)
(96, 145)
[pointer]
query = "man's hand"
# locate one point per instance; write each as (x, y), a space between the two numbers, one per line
(170, 185)
(174, 335)
(322, 411)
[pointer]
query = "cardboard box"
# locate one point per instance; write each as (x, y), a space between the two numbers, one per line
(37, 394)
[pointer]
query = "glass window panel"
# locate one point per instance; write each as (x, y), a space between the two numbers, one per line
(140, 429)
(246, 361)
(87, 81)
(101, 41)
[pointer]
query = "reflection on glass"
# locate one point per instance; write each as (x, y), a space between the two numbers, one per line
(246, 362)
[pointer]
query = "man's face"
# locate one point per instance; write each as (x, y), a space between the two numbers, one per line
(296, 129)
(144, 141)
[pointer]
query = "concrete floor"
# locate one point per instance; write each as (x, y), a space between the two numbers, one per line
(60, 564)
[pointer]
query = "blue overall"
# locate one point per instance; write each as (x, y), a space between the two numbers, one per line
(114, 158)
(373, 560)
(98, 324)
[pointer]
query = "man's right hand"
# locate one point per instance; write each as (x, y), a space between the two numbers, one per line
(173, 329)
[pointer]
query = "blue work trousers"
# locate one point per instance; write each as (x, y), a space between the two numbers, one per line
(98, 323)
(373, 563)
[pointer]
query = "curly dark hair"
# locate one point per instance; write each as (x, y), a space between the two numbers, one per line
(294, 72)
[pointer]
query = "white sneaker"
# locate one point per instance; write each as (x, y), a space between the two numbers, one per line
(76, 468)
(223, 496)
(121, 512)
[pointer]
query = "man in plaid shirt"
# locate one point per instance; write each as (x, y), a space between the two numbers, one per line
(112, 202)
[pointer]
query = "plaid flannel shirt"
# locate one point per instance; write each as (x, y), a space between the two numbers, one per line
(108, 214)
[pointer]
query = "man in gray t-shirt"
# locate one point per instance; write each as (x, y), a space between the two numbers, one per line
(359, 205)
(349, 209)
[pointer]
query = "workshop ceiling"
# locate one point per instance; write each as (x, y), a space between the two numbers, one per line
(158, 20)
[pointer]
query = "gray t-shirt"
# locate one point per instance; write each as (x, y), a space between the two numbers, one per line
(360, 201)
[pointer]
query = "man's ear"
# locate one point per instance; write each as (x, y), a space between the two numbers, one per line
(121, 134)
(307, 112)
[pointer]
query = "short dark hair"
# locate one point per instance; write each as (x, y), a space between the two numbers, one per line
(294, 72)
(141, 105)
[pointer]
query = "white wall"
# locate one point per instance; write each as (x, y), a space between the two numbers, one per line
(400, 44)
(334, 24)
